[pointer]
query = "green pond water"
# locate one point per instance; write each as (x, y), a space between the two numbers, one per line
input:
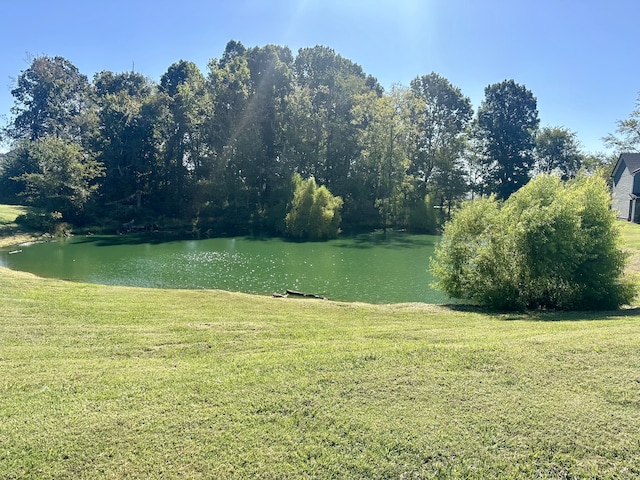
(373, 268)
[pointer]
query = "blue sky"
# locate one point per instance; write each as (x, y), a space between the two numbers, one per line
(580, 58)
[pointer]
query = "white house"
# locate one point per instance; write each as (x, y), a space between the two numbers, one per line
(626, 187)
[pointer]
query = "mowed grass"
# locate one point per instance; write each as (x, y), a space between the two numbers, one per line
(115, 382)
(10, 233)
(631, 235)
(8, 214)
(108, 382)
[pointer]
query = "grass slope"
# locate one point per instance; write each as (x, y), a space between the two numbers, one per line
(8, 215)
(631, 236)
(110, 382)
(114, 382)
(10, 233)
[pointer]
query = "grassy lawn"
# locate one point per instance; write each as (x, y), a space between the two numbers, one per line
(10, 233)
(631, 235)
(8, 214)
(114, 382)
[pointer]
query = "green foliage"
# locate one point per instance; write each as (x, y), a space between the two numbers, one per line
(550, 245)
(51, 99)
(125, 144)
(225, 143)
(62, 177)
(314, 212)
(557, 149)
(422, 217)
(381, 170)
(38, 221)
(506, 124)
(333, 85)
(13, 165)
(184, 154)
(439, 114)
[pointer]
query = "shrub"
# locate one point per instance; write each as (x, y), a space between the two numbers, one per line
(551, 245)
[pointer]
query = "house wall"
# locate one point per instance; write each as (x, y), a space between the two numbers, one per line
(636, 185)
(623, 183)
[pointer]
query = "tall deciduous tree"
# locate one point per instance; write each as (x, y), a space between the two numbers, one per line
(439, 116)
(230, 84)
(51, 98)
(266, 168)
(507, 123)
(557, 149)
(333, 84)
(251, 88)
(379, 176)
(125, 142)
(185, 152)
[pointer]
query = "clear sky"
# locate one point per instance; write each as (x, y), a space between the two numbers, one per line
(580, 58)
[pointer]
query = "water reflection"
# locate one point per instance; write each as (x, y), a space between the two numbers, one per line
(375, 268)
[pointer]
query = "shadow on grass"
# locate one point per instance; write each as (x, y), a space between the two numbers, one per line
(586, 315)
(549, 315)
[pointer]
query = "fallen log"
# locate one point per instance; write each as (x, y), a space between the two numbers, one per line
(295, 293)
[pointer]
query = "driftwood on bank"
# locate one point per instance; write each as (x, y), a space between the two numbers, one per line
(295, 293)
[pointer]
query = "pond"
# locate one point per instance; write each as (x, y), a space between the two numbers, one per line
(373, 268)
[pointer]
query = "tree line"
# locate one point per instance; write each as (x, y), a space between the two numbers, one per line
(227, 149)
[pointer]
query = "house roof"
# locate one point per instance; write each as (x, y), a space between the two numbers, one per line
(631, 160)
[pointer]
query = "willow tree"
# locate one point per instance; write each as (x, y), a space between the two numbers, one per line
(314, 212)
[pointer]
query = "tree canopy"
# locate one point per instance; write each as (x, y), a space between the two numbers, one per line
(557, 150)
(51, 98)
(216, 149)
(506, 124)
(58, 175)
